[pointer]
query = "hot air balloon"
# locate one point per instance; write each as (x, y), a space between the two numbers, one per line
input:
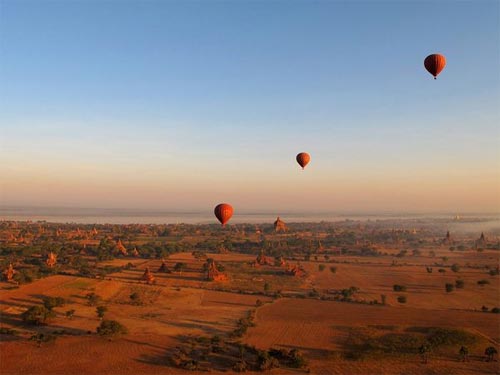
(223, 212)
(303, 159)
(434, 64)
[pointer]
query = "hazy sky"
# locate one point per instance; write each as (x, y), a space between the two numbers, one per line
(184, 104)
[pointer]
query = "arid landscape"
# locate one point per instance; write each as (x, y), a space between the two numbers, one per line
(249, 186)
(357, 297)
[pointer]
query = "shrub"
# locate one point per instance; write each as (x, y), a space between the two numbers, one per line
(190, 364)
(333, 269)
(438, 337)
(449, 287)
(314, 293)
(266, 362)
(459, 284)
(455, 267)
(240, 366)
(321, 267)
(441, 270)
(111, 328)
(100, 311)
(297, 360)
(495, 310)
(483, 282)
(402, 299)
(399, 288)
(7, 331)
(40, 338)
(135, 297)
(25, 276)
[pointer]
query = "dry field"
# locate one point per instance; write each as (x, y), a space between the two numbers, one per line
(182, 305)
(168, 317)
(321, 328)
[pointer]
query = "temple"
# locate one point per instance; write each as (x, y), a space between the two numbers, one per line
(8, 274)
(263, 260)
(279, 225)
(213, 274)
(122, 249)
(51, 259)
(148, 276)
(296, 270)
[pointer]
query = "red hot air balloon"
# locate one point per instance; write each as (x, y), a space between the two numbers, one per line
(434, 64)
(223, 212)
(303, 159)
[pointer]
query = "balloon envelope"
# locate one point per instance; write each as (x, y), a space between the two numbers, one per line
(435, 64)
(303, 159)
(223, 212)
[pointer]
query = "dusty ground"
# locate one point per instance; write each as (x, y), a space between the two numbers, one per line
(180, 305)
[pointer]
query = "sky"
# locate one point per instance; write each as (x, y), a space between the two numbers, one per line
(185, 104)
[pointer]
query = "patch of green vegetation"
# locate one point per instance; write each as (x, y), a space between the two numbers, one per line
(365, 343)
(77, 284)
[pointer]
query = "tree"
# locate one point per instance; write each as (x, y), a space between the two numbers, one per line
(135, 297)
(333, 269)
(179, 267)
(383, 298)
(464, 354)
(321, 267)
(490, 353)
(40, 338)
(93, 299)
(449, 287)
(267, 287)
(455, 267)
(424, 351)
(459, 284)
(69, 314)
(37, 315)
(111, 328)
(51, 302)
(101, 310)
